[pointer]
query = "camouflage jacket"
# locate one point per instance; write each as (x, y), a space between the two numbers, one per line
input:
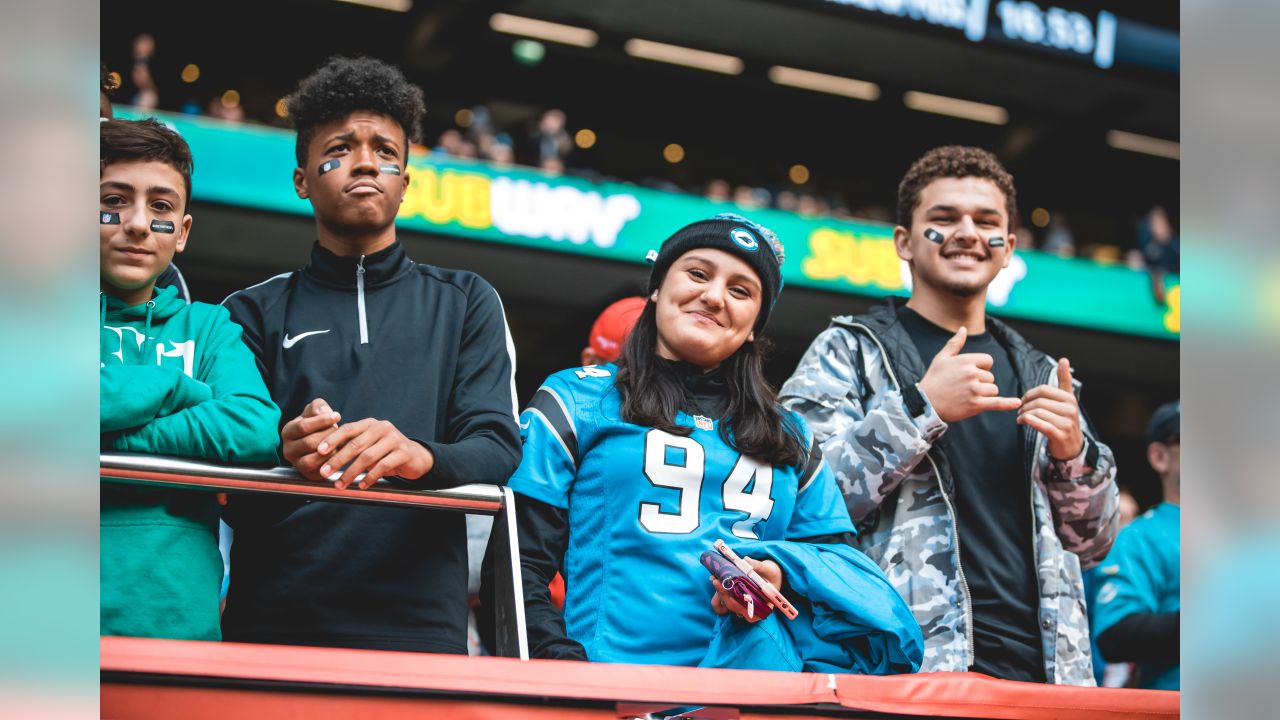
(887, 450)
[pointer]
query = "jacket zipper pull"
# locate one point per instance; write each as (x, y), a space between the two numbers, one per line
(364, 326)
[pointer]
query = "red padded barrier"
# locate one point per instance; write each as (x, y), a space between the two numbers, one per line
(965, 695)
(135, 668)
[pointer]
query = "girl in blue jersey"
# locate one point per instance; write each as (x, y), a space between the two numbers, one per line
(631, 471)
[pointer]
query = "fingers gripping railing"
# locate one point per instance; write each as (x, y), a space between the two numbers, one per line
(472, 499)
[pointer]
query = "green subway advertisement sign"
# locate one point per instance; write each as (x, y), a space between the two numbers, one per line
(252, 166)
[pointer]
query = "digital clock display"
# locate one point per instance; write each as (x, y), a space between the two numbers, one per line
(1019, 22)
(1054, 27)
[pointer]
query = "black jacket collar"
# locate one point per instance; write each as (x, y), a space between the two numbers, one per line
(707, 393)
(882, 320)
(340, 271)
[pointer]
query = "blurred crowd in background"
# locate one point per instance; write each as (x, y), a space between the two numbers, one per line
(550, 142)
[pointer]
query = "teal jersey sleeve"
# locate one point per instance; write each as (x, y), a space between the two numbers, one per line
(820, 508)
(549, 434)
(1136, 575)
(134, 395)
(237, 423)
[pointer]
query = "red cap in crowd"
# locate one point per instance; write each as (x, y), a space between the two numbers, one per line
(611, 328)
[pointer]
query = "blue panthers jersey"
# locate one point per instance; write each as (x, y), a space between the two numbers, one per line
(1142, 574)
(643, 504)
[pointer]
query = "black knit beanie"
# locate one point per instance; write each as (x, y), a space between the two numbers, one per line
(757, 245)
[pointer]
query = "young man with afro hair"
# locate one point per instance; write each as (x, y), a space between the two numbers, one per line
(384, 369)
(981, 517)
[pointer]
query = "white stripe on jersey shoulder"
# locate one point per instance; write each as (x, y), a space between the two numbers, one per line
(563, 408)
(511, 354)
(554, 434)
(816, 472)
(264, 282)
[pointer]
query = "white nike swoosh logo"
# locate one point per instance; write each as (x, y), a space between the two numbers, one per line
(291, 341)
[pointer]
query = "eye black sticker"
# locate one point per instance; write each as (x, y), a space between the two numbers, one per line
(162, 226)
(995, 241)
(329, 166)
(389, 168)
(108, 218)
(933, 236)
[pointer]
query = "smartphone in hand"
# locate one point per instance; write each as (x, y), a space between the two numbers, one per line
(772, 596)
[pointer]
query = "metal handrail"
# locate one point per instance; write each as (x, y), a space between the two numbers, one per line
(182, 474)
(192, 474)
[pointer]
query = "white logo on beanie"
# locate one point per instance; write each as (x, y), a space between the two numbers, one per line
(745, 239)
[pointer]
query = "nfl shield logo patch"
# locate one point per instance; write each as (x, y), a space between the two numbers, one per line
(702, 423)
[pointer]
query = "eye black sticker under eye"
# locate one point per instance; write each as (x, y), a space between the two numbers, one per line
(389, 168)
(933, 236)
(108, 218)
(162, 226)
(329, 166)
(995, 241)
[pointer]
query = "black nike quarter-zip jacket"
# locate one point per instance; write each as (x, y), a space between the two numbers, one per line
(378, 336)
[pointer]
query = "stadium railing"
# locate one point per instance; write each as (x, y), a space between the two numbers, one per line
(154, 678)
(176, 473)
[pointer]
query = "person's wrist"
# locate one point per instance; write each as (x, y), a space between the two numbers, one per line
(424, 460)
(1079, 451)
(926, 389)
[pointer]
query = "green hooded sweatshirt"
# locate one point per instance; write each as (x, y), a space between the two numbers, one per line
(175, 379)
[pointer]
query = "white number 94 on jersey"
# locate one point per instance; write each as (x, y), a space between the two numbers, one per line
(679, 463)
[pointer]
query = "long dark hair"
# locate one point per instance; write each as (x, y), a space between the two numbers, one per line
(754, 424)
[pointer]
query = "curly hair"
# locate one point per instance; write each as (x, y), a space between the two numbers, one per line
(148, 140)
(953, 161)
(345, 85)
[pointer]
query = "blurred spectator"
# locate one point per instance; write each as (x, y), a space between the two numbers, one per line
(840, 209)
(786, 200)
(881, 213)
(148, 95)
(1133, 258)
(1159, 243)
(218, 108)
(604, 343)
(1138, 604)
(1058, 238)
(449, 142)
(552, 140)
(500, 150)
(718, 190)
(751, 198)
(1027, 239)
(484, 143)
(808, 206)
(452, 143)
(481, 121)
(1128, 507)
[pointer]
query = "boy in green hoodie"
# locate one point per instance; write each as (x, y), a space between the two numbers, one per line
(175, 379)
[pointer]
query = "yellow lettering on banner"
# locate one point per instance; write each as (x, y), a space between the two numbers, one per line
(1173, 318)
(448, 196)
(473, 201)
(858, 259)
